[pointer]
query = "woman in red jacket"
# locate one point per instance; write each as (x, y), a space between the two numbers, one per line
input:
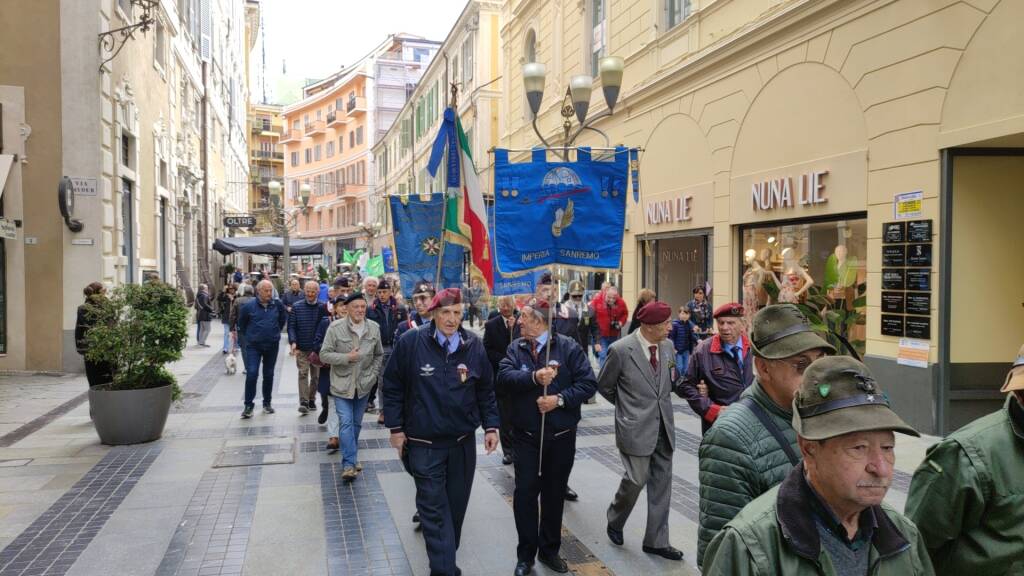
(611, 314)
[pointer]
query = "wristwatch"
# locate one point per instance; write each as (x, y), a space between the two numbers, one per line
(561, 401)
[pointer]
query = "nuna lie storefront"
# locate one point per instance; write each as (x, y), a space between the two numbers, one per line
(869, 155)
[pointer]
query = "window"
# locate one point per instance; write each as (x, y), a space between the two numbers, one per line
(341, 144)
(126, 7)
(163, 173)
(128, 228)
(316, 152)
(295, 124)
(676, 11)
(467, 61)
(339, 104)
(420, 54)
(359, 135)
(330, 149)
(309, 155)
(159, 45)
(319, 220)
(351, 139)
(295, 158)
(127, 149)
(597, 33)
(319, 115)
(530, 47)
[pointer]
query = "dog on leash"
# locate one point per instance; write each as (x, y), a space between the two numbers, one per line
(230, 364)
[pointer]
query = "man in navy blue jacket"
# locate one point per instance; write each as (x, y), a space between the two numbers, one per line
(302, 323)
(260, 322)
(438, 389)
(388, 314)
(422, 295)
(554, 382)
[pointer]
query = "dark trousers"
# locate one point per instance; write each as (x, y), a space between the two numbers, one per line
(380, 377)
(97, 373)
(444, 479)
(256, 353)
(505, 433)
(541, 532)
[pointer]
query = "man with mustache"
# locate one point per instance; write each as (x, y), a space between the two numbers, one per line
(827, 516)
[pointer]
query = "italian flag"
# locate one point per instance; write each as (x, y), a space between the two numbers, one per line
(466, 212)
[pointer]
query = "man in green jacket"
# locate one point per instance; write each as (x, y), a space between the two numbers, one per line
(967, 496)
(827, 517)
(740, 458)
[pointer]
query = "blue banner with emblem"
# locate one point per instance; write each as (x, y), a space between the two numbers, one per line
(511, 285)
(417, 226)
(568, 213)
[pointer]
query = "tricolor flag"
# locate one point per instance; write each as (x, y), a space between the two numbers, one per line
(466, 213)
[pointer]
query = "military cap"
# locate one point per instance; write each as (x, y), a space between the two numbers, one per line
(446, 297)
(353, 297)
(383, 285)
(423, 287)
(730, 310)
(1015, 378)
(341, 282)
(781, 331)
(576, 288)
(654, 313)
(839, 396)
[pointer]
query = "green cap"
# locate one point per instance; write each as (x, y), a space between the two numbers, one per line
(781, 331)
(839, 396)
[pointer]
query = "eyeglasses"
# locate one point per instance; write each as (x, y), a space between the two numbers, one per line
(801, 363)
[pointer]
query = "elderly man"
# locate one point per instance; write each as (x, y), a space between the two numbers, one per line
(438, 389)
(636, 378)
(544, 375)
(293, 294)
(827, 516)
(611, 314)
(422, 294)
(302, 323)
(499, 332)
(752, 446)
(967, 497)
(259, 324)
(204, 312)
(721, 367)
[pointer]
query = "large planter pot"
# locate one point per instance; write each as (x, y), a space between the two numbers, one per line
(130, 416)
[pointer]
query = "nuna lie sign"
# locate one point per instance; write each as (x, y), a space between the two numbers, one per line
(775, 193)
(670, 210)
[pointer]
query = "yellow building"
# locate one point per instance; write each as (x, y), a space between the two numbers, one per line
(855, 144)
(266, 155)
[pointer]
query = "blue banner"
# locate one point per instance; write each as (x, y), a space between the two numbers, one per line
(417, 225)
(388, 256)
(569, 213)
(511, 285)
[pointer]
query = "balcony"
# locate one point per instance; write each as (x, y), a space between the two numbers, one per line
(315, 127)
(339, 190)
(336, 119)
(293, 135)
(265, 127)
(267, 156)
(356, 105)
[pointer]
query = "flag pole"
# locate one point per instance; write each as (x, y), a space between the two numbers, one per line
(547, 361)
(444, 211)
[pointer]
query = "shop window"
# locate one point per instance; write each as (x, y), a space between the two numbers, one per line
(673, 266)
(819, 266)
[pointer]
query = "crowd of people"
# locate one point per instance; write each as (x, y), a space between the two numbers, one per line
(798, 447)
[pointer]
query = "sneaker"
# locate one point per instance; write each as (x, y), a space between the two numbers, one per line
(247, 413)
(349, 474)
(303, 407)
(268, 409)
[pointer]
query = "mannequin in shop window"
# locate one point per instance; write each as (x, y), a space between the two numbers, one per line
(795, 280)
(756, 276)
(841, 277)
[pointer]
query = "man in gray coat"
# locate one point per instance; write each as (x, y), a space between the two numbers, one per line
(636, 379)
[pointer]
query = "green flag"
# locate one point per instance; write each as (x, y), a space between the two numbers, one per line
(375, 266)
(351, 257)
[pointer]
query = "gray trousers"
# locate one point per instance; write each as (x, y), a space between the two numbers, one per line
(203, 332)
(654, 472)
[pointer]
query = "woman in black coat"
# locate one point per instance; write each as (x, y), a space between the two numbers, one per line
(96, 373)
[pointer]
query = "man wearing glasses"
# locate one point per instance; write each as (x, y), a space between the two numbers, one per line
(752, 445)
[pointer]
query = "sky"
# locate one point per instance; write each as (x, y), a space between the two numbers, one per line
(311, 39)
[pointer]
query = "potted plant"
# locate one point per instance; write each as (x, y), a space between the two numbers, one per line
(137, 330)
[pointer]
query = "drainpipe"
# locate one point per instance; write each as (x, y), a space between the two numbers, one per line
(204, 251)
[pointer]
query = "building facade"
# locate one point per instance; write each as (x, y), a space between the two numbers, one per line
(329, 137)
(149, 137)
(266, 157)
(862, 157)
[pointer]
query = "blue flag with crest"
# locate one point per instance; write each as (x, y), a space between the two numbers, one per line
(417, 226)
(568, 213)
(511, 285)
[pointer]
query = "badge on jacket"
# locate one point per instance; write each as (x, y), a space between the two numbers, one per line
(463, 372)
(426, 370)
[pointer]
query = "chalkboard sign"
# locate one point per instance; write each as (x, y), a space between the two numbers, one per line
(919, 303)
(893, 279)
(894, 232)
(892, 325)
(894, 255)
(917, 327)
(919, 255)
(892, 302)
(919, 231)
(919, 279)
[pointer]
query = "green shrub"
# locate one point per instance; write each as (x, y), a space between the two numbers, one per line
(138, 329)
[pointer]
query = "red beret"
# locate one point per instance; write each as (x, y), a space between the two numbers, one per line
(730, 310)
(446, 297)
(654, 313)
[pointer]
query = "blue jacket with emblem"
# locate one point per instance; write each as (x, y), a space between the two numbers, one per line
(388, 315)
(302, 323)
(424, 395)
(261, 325)
(575, 381)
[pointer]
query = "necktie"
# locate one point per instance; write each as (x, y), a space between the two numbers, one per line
(447, 346)
(533, 350)
(654, 358)
(735, 353)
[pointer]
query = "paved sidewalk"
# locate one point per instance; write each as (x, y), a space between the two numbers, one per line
(220, 495)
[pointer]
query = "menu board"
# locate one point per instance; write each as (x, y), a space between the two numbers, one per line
(907, 278)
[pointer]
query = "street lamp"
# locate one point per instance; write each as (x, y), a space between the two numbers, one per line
(372, 231)
(577, 96)
(282, 222)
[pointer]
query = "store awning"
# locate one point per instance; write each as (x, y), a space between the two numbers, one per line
(268, 245)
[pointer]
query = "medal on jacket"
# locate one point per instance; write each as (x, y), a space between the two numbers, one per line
(463, 372)
(553, 364)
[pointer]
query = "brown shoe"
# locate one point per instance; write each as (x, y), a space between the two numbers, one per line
(349, 474)
(359, 466)
(333, 445)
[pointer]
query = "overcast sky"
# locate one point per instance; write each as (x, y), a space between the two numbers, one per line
(310, 39)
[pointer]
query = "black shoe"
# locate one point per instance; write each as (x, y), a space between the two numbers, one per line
(370, 407)
(303, 407)
(268, 409)
(223, 351)
(668, 552)
(615, 536)
(247, 413)
(571, 495)
(416, 518)
(312, 405)
(523, 568)
(506, 459)
(556, 563)
(322, 418)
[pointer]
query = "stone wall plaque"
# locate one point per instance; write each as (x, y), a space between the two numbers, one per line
(892, 302)
(917, 327)
(919, 231)
(894, 232)
(919, 303)
(919, 280)
(893, 279)
(919, 255)
(895, 255)
(892, 325)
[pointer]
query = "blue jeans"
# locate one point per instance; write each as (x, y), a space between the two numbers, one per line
(350, 414)
(606, 342)
(682, 361)
(227, 336)
(255, 353)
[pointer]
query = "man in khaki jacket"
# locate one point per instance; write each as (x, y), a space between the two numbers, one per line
(352, 347)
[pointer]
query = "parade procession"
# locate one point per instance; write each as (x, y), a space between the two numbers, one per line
(527, 287)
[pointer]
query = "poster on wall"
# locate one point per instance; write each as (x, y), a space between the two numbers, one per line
(912, 353)
(907, 205)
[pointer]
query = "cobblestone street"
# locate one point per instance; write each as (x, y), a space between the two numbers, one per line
(220, 495)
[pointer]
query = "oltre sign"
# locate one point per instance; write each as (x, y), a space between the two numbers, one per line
(240, 221)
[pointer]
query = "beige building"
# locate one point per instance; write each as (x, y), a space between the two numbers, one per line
(866, 152)
(266, 157)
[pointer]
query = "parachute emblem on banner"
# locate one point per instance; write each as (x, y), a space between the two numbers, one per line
(563, 219)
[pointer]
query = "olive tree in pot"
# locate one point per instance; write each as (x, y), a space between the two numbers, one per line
(136, 331)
